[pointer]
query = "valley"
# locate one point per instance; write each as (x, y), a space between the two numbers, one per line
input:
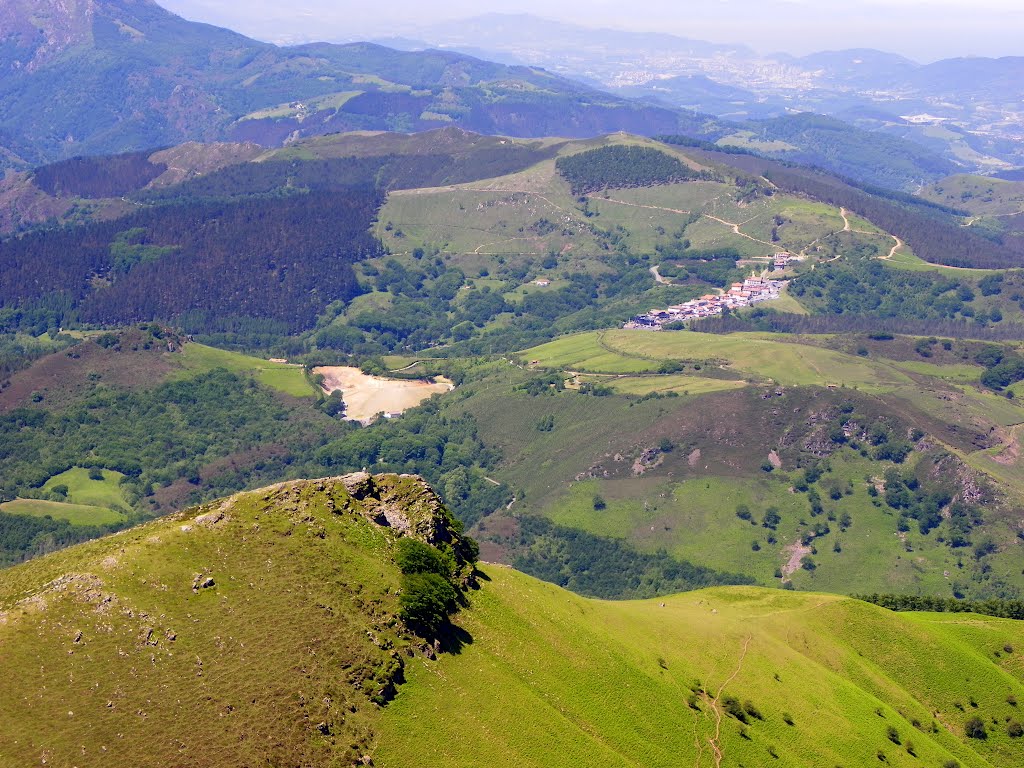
(367, 405)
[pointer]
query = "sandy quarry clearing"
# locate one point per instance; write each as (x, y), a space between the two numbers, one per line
(366, 396)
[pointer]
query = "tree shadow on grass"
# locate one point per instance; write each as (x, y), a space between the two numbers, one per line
(452, 639)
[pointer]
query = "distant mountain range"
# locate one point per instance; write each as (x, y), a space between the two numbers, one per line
(967, 108)
(112, 75)
(102, 76)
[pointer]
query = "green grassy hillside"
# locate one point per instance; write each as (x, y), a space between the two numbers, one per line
(553, 679)
(778, 457)
(265, 630)
(260, 630)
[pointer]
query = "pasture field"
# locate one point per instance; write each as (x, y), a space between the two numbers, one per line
(680, 384)
(965, 373)
(904, 259)
(76, 514)
(755, 355)
(981, 195)
(586, 352)
(541, 463)
(289, 379)
(715, 677)
(594, 677)
(787, 303)
(695, 519)
(82, 490)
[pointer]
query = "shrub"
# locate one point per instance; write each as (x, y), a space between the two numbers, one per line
(1014, 730)
(975, 728)
(599, 503)
(95, 473)
(414, 556)
(426, 601)
(732, 706)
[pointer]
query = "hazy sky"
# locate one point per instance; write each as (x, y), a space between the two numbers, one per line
(922, 29)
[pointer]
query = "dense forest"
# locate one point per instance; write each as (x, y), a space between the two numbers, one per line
(867, 286)
(98, 177)
(874, 156)
(619, 167)
(282, 259)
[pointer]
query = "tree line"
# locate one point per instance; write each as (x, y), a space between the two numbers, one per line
(1004, 609)
(772, 321)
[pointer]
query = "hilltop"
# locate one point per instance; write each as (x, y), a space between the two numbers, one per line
(261, 627)
(267, 627)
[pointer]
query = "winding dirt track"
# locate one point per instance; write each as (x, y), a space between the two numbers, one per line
(714, 741)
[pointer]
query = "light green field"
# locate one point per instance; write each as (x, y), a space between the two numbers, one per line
(754, 354)
(82, 490)
(696, 520)
(959, 373)
(993, 407)
(787, 303)
(902, 259)
(551, 679)
(290, 379)
(805, 221)
(539, 462)
(483, 219)
(749, 140)
(680, 384)
(76, 514)
(585, 352)
(688, 196)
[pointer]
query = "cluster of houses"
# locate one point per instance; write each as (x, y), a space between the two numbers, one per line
(782, 260)
(750, 291)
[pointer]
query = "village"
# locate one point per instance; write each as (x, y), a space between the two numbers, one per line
(750, 291)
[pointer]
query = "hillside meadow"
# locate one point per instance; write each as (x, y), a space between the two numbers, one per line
(652, 683)
(152, 645)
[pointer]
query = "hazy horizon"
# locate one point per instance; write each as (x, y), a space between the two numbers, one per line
(924, 30)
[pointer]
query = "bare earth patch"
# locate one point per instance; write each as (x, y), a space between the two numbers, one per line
(1010, 454)
(796, 552)
(366, 396)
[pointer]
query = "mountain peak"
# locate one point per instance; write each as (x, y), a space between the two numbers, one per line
(41, 30)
